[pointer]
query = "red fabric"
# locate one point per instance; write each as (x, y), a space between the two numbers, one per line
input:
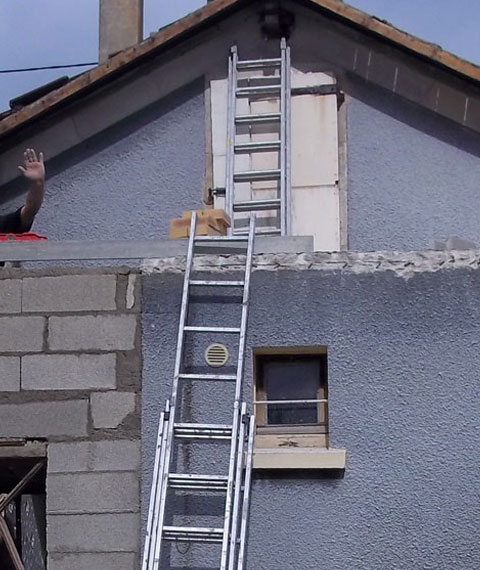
(29, 236)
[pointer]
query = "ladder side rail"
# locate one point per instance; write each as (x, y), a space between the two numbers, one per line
(238, 391)
(238, 488)
(149, 538)
(228, 145)
(283, 124)
(245, 301)
(156, 509)
(174, 394)
(288, 141)
(246, 495)
(231, 132)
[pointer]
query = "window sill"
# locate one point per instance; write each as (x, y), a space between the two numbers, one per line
(297, 457)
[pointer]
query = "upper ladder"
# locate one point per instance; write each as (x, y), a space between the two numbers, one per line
(234, 483)
(263, 126)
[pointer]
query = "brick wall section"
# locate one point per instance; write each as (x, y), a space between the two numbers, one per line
(70, 372)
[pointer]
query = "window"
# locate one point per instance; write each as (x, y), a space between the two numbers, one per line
(291, 409)
(22, 505)
(291, 390)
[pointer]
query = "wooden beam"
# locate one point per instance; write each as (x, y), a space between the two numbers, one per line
(5, 500)
(10, 544)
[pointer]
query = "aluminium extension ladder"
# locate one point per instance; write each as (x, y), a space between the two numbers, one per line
(273, 86)
(234, 485)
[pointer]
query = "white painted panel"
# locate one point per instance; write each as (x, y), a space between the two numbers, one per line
(310, 79)
(315, 197)
(218, 98)
(314, 140)
(316, 212)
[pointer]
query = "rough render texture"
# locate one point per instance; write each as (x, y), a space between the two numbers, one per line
(129, 181)
(412, 177)
(411, 174)
(403, 393)
(70, 362)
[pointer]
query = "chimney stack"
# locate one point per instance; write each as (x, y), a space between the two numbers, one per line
(121, 26)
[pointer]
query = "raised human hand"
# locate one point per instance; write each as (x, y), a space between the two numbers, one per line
(33, 169)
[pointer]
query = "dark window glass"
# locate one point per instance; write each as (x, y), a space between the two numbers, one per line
(293, 378)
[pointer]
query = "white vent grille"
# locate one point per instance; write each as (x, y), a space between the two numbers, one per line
(216, 355)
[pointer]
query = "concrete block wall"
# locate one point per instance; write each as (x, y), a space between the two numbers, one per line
(70, 373)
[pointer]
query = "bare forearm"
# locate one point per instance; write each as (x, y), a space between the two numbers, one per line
(33, 201)
(34, 172)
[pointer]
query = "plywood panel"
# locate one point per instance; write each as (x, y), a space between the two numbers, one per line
(316, 212)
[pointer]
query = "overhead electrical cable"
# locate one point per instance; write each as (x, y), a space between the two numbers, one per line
(21, 70)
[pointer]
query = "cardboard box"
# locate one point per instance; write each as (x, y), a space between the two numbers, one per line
(220, 215)
(209, 223)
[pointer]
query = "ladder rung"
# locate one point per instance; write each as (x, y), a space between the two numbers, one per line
(198, 482)
(226, 330)
(197, 283)
(264, 146)
(260, 231)
(258, 118)
(259, 81)
(202, 431)
(220, 238)
(192, 534)
(258, 90)
(257, 175)
(219, 377)
(253, 205)
(259, 63)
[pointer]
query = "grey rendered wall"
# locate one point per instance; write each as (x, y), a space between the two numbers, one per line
(404, 399)
(129, 181)
(412, 177)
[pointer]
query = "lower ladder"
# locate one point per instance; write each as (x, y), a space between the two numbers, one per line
(234, 483)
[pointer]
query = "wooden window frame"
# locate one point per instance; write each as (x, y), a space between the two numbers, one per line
(259, 393)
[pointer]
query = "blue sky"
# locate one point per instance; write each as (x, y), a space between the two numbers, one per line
(54, 32)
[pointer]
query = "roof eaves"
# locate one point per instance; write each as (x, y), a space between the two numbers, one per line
(177, 31)
(434, 53)
(118, 64)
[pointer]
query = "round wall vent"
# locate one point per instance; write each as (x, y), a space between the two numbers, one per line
(216, 355)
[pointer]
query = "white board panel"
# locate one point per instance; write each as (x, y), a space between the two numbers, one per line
(316, 212)
(314, 140)
(218, 99)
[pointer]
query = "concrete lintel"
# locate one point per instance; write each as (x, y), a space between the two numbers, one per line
(23, 448)
(299, 458)
(148, 249)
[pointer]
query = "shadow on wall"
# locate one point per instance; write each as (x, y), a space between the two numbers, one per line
(413, 115)
(108, 137)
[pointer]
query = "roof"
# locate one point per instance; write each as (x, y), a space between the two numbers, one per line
(207, 15)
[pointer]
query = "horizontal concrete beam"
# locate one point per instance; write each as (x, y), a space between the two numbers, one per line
(148, 249)
(23, 449)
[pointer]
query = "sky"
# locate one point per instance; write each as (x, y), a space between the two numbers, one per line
(35, 33)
